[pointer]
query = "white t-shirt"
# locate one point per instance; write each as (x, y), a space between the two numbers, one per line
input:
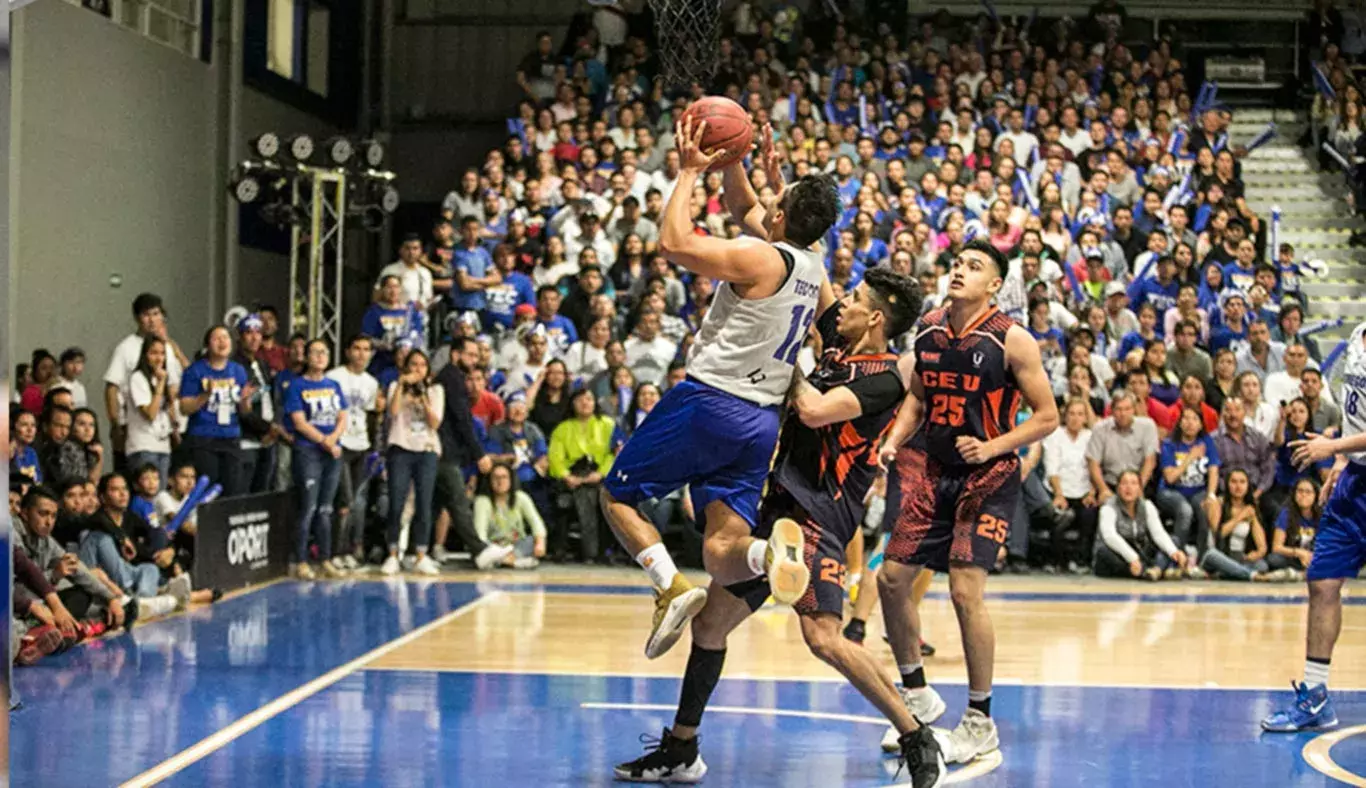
(1065, 458)
(362, 398)
(77, 389)
(409, 429)
(416, 281)
(584, 360)
(144, 435)
(168, 506)
(125, 360)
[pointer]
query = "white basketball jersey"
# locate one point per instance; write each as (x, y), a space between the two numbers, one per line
(747, 347)
(1353, 393)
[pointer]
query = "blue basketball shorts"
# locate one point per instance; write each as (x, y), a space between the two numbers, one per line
(717, 443)
(1340, 544)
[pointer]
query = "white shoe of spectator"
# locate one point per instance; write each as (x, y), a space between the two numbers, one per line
(441, 555)
(349, 562)
(1196, 573)
(159, 605)
(525, 562)
(426, 566)
(179, 587)
(409, 562)
(390, 566)
(492, 556)
(331, 568)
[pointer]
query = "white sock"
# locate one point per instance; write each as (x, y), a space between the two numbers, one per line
(658, 564)
(1315, 673)
(978, 694)
(758, 549)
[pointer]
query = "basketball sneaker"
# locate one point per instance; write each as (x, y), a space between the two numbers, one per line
(785, 562)
(975, 735)
(1313, 711)
(674, 608)
(666, 760)
(923, 704)
(922, 757)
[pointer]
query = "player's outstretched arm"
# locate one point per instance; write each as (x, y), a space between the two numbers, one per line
(738, 193)
(744, 261)
(1022, 357)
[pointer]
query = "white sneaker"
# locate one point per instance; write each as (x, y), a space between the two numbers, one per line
(975, 736)
(409, 562)
(426, 566)
(492, 556)
(925, 705)
(440, 554)
(333, 568)
(349, 563)
(1196, 573)
(179, 587)
(526, 562)
(390, 566)
(158, 605)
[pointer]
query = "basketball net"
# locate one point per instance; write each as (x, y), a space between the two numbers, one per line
(688, 34)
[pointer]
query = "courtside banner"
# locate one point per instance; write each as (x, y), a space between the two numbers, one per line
(242, 541)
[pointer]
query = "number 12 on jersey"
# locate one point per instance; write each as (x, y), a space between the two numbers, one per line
(796, 333)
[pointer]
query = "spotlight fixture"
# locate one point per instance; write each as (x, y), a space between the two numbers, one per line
(265, 145)
(301, 147)
(340, 150)
(388, 199)
(246, 189)
(373, 152)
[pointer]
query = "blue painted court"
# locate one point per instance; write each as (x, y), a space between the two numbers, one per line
(282, 686)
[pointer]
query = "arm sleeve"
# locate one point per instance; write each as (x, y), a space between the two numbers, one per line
(30, 575)
(532, 517)
(139, 391)
(1282, 522)
(1156, 531)
(1111, 536)
(483, 512)
(460, 421)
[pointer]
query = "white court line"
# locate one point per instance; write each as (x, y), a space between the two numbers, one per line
(242, 725)
(1317, 754)
(983, 765)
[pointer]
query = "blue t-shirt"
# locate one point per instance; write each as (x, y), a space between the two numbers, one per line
(1286, 472)
(321, 402)
(25, 463)
(387, 326)
(502, 300)
(1222, 336)
(560, 333)
(476, 263)
(1149, 290)
(1196, 477)
(876, 253)
(1129, 341)
(528, 451)
(218, 417)
(1237, 276)
(1304, 539)
(145, 509)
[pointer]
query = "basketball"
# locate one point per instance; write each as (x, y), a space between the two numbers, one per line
(728, 128)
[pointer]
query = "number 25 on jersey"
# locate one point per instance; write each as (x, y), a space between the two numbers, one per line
(947, 409)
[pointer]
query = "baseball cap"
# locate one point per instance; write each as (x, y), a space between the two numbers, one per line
(251, 322)
(1093, 253)
(1230, 294)
(524, 310)
(1114, 288)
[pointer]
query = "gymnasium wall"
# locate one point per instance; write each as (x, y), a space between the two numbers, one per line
(110, 174)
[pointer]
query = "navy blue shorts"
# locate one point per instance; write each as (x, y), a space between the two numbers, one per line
(719, 444)
(1340, 544)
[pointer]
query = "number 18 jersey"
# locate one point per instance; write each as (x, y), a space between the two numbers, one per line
(1353, 394)
(748, 347)
(969, 389)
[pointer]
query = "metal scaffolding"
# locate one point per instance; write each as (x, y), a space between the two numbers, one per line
(316, 254)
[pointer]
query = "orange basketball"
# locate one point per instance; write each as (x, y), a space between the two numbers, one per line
(728, 128)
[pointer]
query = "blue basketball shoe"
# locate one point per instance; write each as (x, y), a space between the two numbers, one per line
(1313, 711)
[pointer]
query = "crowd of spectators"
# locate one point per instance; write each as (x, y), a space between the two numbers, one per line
(520, 338)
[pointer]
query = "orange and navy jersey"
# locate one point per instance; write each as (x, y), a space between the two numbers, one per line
(969, 388)
(828, 470)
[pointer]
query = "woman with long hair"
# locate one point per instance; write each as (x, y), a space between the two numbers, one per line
(1261, 415)
(1131, 540)
(85, 434)
(1239, 546)
(152, 420)
(869, 250)
(1055, 234)
(416, 407)
(982, 156)
(1294, 424)
(1001, 233)
(505, 516)
(315, 409)
(554, 264)
(43, 368)
(1189, 482)
(1165, 386)
(1224, 382)
(580, 457)
(213, 391)
(1292, 541)
(631, 265)
(646, 396)
(549, 396)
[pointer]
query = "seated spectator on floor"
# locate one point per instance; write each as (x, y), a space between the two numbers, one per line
(1188, 488)
(1292, 542)
(580, 456)
(1238, 542)
(41, 624)
(1293, 425)
(83, 594)
(131, 552)
(168, 503)
(1132, 542)
(1122, 442)
(506, 516)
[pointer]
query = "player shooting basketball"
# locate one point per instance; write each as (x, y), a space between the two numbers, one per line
(958, 480)
(825, 466)
(716, 431)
